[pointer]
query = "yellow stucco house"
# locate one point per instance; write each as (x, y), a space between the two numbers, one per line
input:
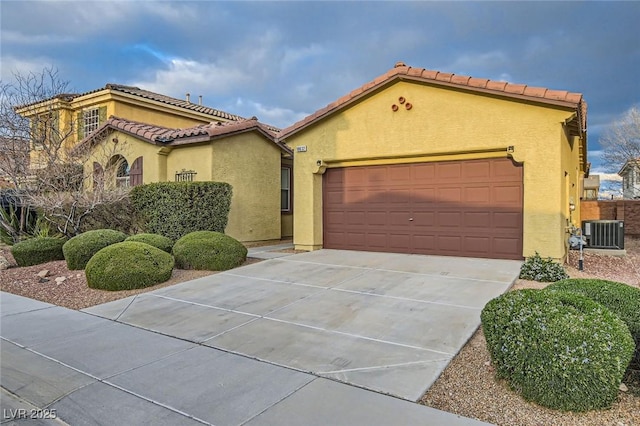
(71, 117)
(243, 153)
(166, 139)
(420, 161)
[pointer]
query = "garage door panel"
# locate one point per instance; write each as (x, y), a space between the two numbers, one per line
(449, 171)
(478, 219)
(479, 195)
(478, 246)
(334, 218)
(399, 242)
(450, 194)
(507, 195)
(376, 218)
(356, 217)
(507, 220)
(464, 208)
(449, 219)
(399, 218)
(477, 170)
(449, 243)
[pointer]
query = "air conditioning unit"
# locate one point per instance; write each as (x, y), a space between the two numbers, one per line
(604, 234)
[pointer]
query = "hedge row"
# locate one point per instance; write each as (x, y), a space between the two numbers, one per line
(174, 209)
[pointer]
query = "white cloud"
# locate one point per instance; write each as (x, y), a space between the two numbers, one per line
(276, 116)
(11, 65)
(16, 37)
(183, 75)
(612, 177)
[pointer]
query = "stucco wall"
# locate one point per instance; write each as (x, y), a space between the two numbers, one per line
(248, 162)
(455, 125)
(198, 158)
(252, 166)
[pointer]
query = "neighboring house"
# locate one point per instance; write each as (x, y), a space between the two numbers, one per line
(420, 161)
(244, 153)
(630, 173)
(75, 116)
(591, 187)
(14, 159)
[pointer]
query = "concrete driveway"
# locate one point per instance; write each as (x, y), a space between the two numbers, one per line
(387, 323)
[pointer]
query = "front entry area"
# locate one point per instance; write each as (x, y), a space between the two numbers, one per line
(470, 208)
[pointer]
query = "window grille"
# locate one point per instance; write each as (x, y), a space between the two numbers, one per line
(91, 121)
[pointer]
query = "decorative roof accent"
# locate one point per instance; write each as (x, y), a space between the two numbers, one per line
(165, 136)
(406, 73)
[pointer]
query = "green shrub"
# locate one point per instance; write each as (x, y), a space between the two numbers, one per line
(37, 250)
(544, 270)
(621, 299)
(128, 265)
(558, 349)
(174, 209)
(158, 241)
(118, 215)
(79, 249)
(207, 250)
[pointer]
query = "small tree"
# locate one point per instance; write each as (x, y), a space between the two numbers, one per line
(41, 163)
(621, 139)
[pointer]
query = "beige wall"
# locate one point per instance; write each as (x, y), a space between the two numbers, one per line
(248, 162)
(443, 124)
(252, 166)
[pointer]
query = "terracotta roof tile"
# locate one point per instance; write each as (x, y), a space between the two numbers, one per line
(535, 91)
(403, 72)
(159, 135)
(496, 85)
(515, 88)
(461, 79)
(478, 82)
(444, 76)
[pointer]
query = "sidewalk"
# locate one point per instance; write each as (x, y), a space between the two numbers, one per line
(91, 370)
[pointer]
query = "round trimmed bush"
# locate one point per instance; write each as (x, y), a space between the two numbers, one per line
(208, 250)
(35, 251)
(128, 265)
(158, 241)
(621, 299)
(79, 249)
(547, 270)
(561, 350)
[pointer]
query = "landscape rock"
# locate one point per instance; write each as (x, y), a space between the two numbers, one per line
(4, 263)
(44, 273)
(60, 280)
(624, 387)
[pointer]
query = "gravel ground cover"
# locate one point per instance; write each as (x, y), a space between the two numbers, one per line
(467, 387)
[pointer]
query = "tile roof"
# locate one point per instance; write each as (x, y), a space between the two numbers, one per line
(166, 136)
(136, 91)
(483, 85)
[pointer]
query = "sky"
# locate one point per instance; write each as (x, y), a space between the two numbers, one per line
(281, 61)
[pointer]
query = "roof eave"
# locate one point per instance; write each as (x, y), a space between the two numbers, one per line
(373, 87)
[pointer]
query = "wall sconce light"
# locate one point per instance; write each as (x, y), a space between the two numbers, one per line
(572, 206)
(319, 163)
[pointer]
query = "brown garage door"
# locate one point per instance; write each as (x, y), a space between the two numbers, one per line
(458, 208)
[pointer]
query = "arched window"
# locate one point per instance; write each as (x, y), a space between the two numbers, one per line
(120, 170)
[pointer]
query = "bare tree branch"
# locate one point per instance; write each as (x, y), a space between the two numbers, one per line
(39, 163)
(621, 139)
